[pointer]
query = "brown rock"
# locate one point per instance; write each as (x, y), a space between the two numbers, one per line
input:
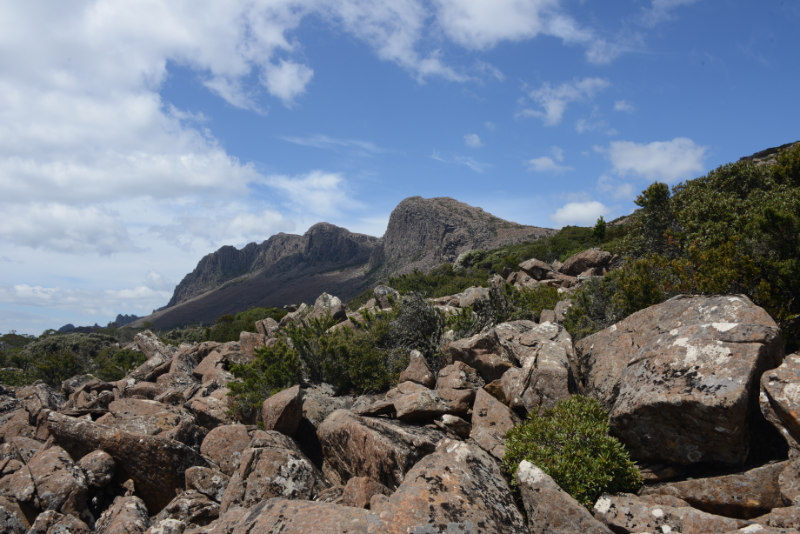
(380, 449)
(211, 407)
(51, 522)
(210, 482)
(455, 425)
(126, 514)
(456, 385)
(415, 403)
(272, 466)
(249, 342)
(283, 515)
(537, 269)
(787, 518)
(628, 513)
(12, 518)
(328, 306)
(152, 418)
(483, 352)
(549, 508)
(418, 371)
(588, 259)
(224, 446)
(267, 327)
(320, 400)
(471, 295)
(59, 484)
(159, 357)
(789, 483)
(458, 488)
(781, 387)
(191, 508)
(212, 368)
(680, 376)
(744, 495)
(491, 419)
(547, 374)
(282, 411)
(156, 464)
(359, 491)
(99, 467)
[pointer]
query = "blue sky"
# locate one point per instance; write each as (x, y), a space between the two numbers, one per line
(136, 137)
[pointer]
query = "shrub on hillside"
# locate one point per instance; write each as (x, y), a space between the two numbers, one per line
(571, 444)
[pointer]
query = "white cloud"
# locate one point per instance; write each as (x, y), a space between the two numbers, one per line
(546, 164)
(623, 105)
(332, 143)
(287, 80)
(473, 140)
(471, 163)
(579, 213)
(618, 190)
(317, 194)
(670, 161)
(661, 11)
(553, 101)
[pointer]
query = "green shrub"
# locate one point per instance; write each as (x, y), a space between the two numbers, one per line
(272, 369)
(571, 444)
(113, 364)
(440, 282)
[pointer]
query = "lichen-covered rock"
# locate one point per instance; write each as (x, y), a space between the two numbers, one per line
(155, 464)
(456, 385)
(789, 483)
(415, 403)
(210, 482)
(536, 269)
(126, 514)
(152, 418)
(458, 488)
(681, 377)
(359, 491)
(52, 522)
(418, 371)
(328, 306)
(99, 467)
(781, 389)
(272, 466)
(491, 419)
(629, 513)
(12, 518)
(380, 449)
(224, 446)
(590, 259)
(743, 495)
(547, 373)
(549, 508)
(282, 411)
(191, 508)
(483, 352)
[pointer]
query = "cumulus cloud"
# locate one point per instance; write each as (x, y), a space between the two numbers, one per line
(318, 193)
(546, 164)
(287, 80)
(579, 213)
(670, 161)
(553, 101)
(473, 140)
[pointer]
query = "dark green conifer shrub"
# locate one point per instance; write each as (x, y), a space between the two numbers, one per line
(571, 444)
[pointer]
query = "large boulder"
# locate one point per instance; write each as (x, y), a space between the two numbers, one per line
(156, 464)
(593, 260)
(415, 403)
(152, 418)
(458, 488)
(224, 446)
(127, 514)
(272, 466)
(380, 449)
(680, 378)
(418, 371)
(629, 513)
(456, 385)
(551, 509)
(547, 373)
(282, 411)
(743, 495)
(491, 420)
(781, 392)
(328, 306)
(483, 352)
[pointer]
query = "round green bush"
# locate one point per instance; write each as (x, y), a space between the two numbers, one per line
(571, 444)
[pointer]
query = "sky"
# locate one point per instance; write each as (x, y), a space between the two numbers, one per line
(138, 136)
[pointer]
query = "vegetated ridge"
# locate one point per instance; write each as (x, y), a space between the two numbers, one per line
(284, 269)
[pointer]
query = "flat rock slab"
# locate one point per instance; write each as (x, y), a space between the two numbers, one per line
(680, 377)
(744, 495)
(781, 386)
(629, 513)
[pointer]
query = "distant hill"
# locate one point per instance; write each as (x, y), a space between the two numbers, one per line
(285, 269)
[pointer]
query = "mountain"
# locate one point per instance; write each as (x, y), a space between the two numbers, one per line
(286, 268)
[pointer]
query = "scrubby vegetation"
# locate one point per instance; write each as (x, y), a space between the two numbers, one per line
(228, 327)
(571, 444)
(736, 230)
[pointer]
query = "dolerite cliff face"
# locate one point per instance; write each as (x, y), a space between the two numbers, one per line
(323, 246)
(422, 234)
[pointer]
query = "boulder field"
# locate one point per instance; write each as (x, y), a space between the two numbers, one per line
(697, 388)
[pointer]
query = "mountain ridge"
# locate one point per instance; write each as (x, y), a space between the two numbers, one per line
(288, 268)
